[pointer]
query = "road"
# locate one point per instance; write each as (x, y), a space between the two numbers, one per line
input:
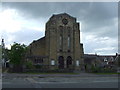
(59, 81)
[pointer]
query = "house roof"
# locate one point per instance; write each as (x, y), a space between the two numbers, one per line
(100, 57)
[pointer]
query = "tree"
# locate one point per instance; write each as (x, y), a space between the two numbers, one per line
(16, 55)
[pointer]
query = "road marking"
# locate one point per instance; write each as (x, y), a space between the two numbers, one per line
(31, 80)
(106, 81)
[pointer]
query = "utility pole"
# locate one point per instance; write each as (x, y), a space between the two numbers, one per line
(3, 53)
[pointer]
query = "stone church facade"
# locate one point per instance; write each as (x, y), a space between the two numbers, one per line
(60, 48)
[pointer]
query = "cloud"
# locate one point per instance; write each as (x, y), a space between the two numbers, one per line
(14, 28)
(45, 9)
(25, 36)
(99, 22)
(8, 20)
(99, 45)
(104, 49)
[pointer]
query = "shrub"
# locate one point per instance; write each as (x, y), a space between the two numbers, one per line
(29, 65)
(38, 66)
(95, 69)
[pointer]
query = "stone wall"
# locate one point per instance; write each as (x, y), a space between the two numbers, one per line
(37, 48)
(55, 28)
(62, 38)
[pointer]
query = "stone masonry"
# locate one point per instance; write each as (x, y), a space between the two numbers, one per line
(61, 47)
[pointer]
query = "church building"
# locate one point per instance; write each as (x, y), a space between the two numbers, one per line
(60, 48)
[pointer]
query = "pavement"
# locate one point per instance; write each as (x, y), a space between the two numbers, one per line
(58, 75)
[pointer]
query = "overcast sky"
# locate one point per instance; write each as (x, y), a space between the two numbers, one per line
(24, 22)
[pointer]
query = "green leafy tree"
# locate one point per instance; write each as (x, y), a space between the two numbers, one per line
(6, 56)
(16, 55)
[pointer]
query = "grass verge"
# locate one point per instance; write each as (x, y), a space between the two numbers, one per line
(48, 73)
(107, 73)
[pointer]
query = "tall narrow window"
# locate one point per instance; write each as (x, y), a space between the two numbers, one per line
(68, 42)
(60, 40)
(61, 37)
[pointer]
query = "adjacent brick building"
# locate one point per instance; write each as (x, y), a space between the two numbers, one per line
(60, 48)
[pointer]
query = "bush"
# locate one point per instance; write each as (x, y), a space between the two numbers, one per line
(95, 69)
(107, 70)
(38, 66)
(29, 65)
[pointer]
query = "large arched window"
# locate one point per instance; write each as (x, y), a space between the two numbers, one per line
(69, 61)
(61, 62)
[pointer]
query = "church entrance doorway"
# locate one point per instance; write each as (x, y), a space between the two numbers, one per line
(69, 61)
(61, 62)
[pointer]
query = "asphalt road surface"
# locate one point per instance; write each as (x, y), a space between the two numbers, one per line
(59, 81)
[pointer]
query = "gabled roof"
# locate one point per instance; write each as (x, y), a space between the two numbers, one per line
(39, 40)
(90, 55)
(61, 15)
(100, 57)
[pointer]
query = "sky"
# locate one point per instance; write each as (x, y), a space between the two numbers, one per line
(23, 22)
